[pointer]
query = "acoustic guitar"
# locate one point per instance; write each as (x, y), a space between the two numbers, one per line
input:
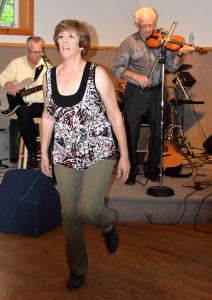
(9, 103)
(172, 160)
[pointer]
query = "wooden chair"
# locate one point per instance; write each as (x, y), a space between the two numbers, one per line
(23, 152)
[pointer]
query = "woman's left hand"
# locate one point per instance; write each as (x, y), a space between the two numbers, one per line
(123, 169)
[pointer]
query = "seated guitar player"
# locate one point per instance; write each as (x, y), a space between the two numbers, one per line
(29, 68)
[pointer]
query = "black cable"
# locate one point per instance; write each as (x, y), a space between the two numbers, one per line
(199, 122)
(149, 217)
(21, 199)
(139, 182)
(197, 186)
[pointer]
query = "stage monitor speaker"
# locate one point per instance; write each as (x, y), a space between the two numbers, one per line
(186, 79)
(208, 144)
(29, 203)
(4, 144)
(14, 140)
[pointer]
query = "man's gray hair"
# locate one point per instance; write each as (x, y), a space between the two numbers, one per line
(141, 11)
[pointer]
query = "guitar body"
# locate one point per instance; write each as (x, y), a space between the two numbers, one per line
(9, 103)
(14, 103)
(172, 160)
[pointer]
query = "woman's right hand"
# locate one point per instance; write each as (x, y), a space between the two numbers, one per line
(45, 166)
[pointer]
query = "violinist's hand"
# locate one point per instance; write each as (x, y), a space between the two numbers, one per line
(143, 81)
(122, 83)
(186, 49)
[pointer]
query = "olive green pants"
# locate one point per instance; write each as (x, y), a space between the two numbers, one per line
(82, 194)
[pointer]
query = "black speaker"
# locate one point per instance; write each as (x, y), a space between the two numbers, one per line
(29, 203)
(208, 144)
(14, 140)
(186, 79)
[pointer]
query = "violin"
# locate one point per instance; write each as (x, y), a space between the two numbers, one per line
(174, 43)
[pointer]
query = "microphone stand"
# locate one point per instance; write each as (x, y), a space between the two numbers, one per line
(46, 61)
(180, 85)
(161, 191)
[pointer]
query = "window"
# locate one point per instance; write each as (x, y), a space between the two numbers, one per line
(8, 13)
(17, 17)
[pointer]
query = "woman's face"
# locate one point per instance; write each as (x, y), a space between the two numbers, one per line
(68, 42)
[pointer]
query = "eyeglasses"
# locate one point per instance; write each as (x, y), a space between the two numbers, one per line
(35, 52)
(147, 26)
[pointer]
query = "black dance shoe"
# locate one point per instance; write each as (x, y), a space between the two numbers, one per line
(111, 239)
(74, 281)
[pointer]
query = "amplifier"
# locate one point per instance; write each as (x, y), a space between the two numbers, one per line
(4, 144)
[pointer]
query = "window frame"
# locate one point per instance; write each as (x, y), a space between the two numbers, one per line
(25, 20)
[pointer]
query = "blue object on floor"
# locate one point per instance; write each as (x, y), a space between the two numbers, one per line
(29, 203)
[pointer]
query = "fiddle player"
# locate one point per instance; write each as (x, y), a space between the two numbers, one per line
(134, 61)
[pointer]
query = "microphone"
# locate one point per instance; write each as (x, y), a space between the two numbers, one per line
(162, 30)
(43, 56)
(46, 60)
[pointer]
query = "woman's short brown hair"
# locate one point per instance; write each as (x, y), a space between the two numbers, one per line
(81, 30)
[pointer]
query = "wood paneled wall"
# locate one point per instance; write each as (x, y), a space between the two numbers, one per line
(197, 118)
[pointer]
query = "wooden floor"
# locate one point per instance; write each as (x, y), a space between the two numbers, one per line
(152, 262)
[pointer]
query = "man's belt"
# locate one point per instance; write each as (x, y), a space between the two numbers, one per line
(148, 88)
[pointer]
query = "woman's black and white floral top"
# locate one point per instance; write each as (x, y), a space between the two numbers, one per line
(82, 132)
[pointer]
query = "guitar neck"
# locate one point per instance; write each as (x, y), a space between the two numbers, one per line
(27, 92)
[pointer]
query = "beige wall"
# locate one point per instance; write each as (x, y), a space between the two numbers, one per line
(195, 116)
